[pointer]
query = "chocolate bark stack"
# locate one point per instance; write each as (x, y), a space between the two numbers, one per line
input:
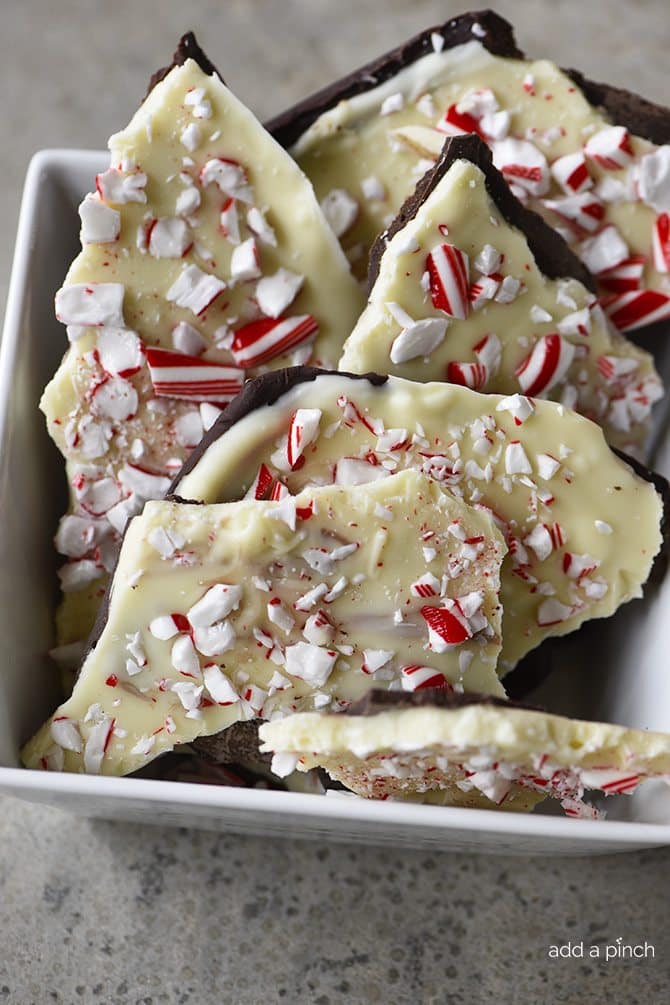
(421, 519)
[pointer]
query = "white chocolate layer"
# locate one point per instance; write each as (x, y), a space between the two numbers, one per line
(607, 378)
(216, 224)
(260, 609)
(581, 528)
(509, 756)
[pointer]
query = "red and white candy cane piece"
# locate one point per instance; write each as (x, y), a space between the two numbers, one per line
(546, 365)
(488, 352)
(166, 626)
(610, 780)
(577, 566)
(637, 309)
(522, 164)
(571, 172)
(604, 250)
(483, 289)
(418, 678)
(448, 269)
(610, 148)
(229, 175)
(584, 209)
(661, 243)
(279, 491)
(426, 586)
(616, 368)
(303, 430)
(230, 222)
(65, 732)
(446, 627)
(97, 743)
(472, 375)
(553, 612)
(545, 538)
(175, 375)
(120, 351)
(260, 341)
(625, 276)
(261, 484)
(455, 123)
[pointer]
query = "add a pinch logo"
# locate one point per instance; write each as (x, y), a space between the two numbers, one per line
(617, 950)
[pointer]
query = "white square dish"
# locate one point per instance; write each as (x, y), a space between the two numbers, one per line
(628, 652)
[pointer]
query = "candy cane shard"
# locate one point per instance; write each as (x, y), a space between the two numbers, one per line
(601, 157)
(469, 750)
(524, 461)
(516, 310)
(203, 238)
(191, 638)
(177, 375)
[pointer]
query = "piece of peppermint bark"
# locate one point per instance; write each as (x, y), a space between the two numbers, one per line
(469, 286)
(582, 528)
(257, 609)
(593, 159)
(468, 750)
(203, 257)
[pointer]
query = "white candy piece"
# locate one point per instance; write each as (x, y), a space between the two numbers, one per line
(99, 223)
(277, 292)
(145, 484)
(310, 663)
(187, 339)
(218, 685)
(653, 179)
(219, 601)
(195, 289)
(170, 238)
(188, 201)
(119, 187)
(260, 227)
(420, 338)
(229, 176)
(91, 304)
(245, 261)
(340, 210)
(215, 639)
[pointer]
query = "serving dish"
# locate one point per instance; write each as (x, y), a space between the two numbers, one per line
(615, 670)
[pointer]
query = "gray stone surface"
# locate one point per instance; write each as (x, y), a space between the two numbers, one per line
(98, 912)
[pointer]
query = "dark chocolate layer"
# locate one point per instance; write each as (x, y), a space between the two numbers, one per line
(376, 701)
(625, 108)
(238, 742)
(553, 256)
(188, 48)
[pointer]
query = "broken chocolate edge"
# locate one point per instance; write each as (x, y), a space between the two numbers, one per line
(376, 701)
(496, 35)
(642, 117)
(551, 253)
(256, 393)
(187, 48)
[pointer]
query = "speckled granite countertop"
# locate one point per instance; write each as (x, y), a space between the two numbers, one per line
(98, 912)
